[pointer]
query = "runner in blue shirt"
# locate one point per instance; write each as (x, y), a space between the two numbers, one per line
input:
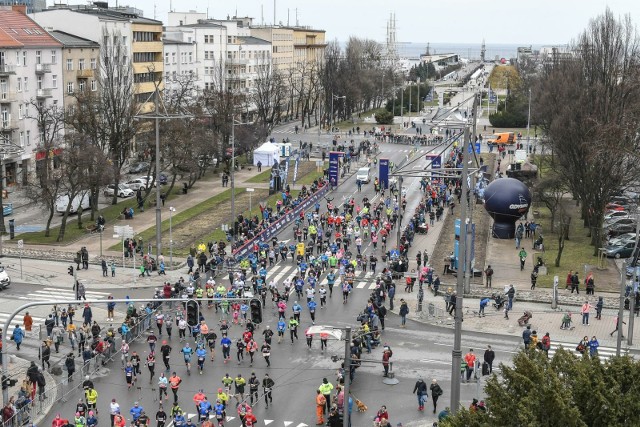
(187, 351)
(282, 326)
(201, 354)
(225, 343)
(312, 310)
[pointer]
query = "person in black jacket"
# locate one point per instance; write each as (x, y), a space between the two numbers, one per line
(421, 391)
(70, 364)
(489, 356)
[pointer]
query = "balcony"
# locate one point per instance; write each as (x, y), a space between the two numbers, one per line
(7, 125)
(85, 74)
(43, 68)
(6, 70)
(7, 97)
(240, 76)
(43, 93)
(238, 61)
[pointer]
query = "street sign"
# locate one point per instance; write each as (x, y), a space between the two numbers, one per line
(319, 163)
(251, 190)
(20, 244)
(123, 231)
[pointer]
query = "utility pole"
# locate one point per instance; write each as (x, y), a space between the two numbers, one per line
(468, 272)
(456, 354)
(347, 376)
(233, 181)
(158, 210)
(529, 125)
(621, 309)
(634, 278)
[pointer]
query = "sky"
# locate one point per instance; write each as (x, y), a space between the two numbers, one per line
(522, 22)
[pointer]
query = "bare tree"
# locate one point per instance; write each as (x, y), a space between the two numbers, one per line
(584, 104)
(269, 95)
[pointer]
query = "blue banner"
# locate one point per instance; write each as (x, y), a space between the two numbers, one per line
(383, 173)
(435, 159)
(295, 169)
(286, 172)
(334, 167)
(456, 245)
(282, 222)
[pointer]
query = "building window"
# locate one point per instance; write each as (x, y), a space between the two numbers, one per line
(81, 64)
(190, 57)
(94, 85)
(69, 64)
(54, 57)
(145, 36)
(20, 111)
(28, 137)
(26, 109)
(22, 139)
(124, 40)
(54, 81)
(26, 84)
(166, 58)
(39, 82)
(81, 85)
(70, 87)
(94, 63)
(19, 84)
(24, 58)
(38, 56)
(173, 57)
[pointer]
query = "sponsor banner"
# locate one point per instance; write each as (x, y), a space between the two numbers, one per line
(282, 222)
(334, 167)
(384, 173)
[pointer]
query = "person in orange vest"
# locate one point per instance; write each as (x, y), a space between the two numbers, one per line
(119, 421)
(321, 401)
(58, 421)
(27, 321)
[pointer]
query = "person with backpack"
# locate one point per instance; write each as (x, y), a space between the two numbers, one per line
(488, 274)
(420, 389)
(404, 310)
(436, 392)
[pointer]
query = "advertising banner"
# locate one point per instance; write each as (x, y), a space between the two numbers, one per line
(282, 222)
(383, 173)
(334, 167)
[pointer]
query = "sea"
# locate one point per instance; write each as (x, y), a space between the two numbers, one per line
(464, 50)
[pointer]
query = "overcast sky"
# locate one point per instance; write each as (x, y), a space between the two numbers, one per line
(418, 21)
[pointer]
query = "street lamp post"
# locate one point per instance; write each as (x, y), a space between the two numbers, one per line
(171, 211)
(158, 209)
(529, 124)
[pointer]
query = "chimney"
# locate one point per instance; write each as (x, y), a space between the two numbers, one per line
(21, 8)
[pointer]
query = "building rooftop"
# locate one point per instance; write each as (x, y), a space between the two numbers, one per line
(252, 40)
(109, 14)
(202, 23)
(18, 30)
(70, 40)
(174, 41)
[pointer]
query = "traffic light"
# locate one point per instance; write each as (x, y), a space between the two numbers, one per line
(70, 270)
(193, 313)
(8, 382)
(256, 311)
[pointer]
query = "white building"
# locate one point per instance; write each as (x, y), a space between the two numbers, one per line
(180, 59)
(30, 76)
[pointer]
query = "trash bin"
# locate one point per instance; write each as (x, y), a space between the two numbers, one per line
(12, 228)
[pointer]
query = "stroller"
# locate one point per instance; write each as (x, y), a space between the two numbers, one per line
(498, 301)
(524, 319)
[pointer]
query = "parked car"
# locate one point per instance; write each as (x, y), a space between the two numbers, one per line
(621, 251)
(614, 207)
(619, 221)
(616, 214)
(163, 179)
(5, 280)
(631, 269)
(137, 183)
(79, 200)
(149, 181)
(123, 191)
(626, 237)
(7, 209)
(138, 167)
(618, 229)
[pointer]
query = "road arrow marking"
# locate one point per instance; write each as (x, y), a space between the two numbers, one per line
(302, 425)
(189, 416)
(230, 418)
(267, 422)
(287, 423)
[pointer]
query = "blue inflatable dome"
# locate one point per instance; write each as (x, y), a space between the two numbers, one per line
(506, 200)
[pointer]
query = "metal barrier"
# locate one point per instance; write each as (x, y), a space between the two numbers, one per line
(62, 389)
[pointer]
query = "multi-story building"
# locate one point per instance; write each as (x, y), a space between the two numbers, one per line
(32, 5)
(281, 39)
(140, 37)
(80, 58)
(30, 76)
(308, 45)
(180, 60)
(226, 55)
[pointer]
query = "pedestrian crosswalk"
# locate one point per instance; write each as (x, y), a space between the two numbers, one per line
(43, 294)
(287, 270)
(65, 294)
(604, 353)
(194, 417)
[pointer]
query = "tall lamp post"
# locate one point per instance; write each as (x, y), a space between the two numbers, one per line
(171, 211)
(529, 124)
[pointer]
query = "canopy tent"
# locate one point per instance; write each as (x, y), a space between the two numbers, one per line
(267, 154)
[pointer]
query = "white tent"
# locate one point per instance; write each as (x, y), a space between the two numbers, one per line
(267, 154)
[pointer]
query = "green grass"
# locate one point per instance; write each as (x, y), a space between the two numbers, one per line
(577, 252)
(110, 213)
(311, 176)
(349, 124)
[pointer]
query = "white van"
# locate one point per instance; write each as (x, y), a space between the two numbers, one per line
(81, 199)
(363, 175)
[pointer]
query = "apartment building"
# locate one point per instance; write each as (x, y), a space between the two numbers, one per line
(80, 59)
(308, 45)
(140, 37)
(225, 52)
(281, 39)
(32, 5)
(180, 60)
(30, 75)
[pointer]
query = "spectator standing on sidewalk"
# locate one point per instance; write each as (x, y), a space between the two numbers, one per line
(436, 392)
(488, 274)
(585, 312)
(523, 258)
(575, 283)
(489, 357)
(511, 293)
(470, 360)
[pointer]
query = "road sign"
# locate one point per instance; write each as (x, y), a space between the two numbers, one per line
(123, 231)
(20, 244)
(251, 190)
